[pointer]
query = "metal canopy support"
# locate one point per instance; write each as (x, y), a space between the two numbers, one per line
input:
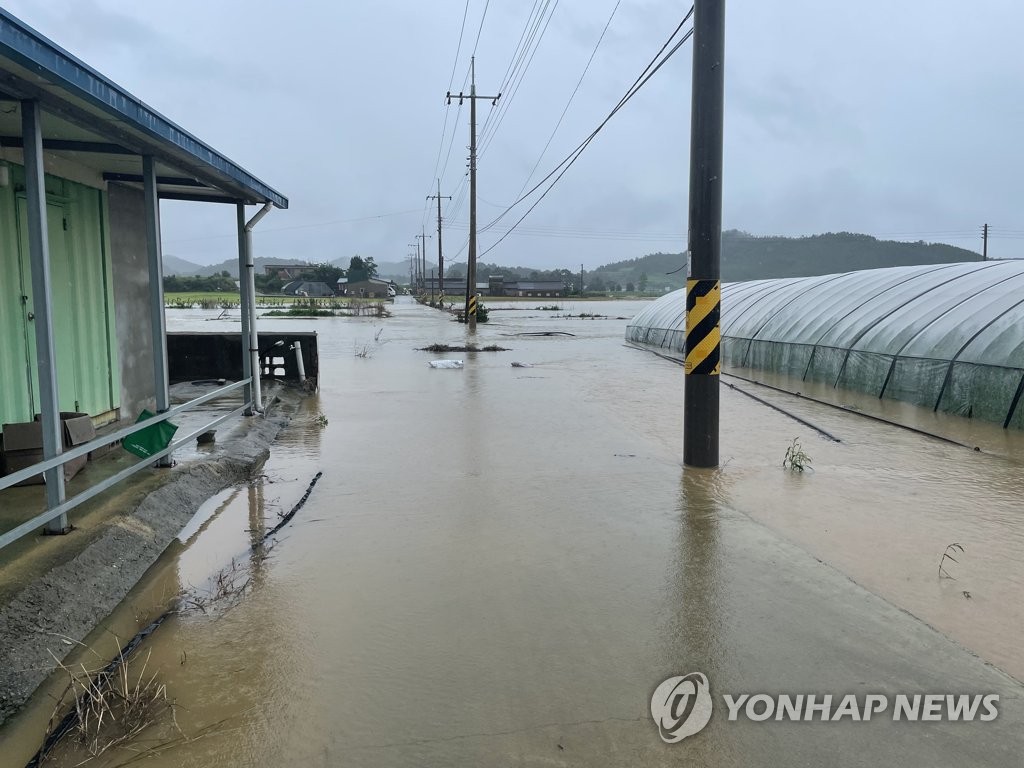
(154, 249)
(249, 281)
(243, 303)
(42, 314)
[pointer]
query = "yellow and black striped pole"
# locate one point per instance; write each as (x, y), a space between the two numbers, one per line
(471, 309)
(703, 289)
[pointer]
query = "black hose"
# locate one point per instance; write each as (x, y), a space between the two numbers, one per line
(287, 518)
(70, 720)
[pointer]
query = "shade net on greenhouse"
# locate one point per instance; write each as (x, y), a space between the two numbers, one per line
(948, 337)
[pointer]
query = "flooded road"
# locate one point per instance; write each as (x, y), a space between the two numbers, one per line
(499, 565)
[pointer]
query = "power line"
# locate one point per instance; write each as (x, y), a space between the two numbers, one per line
(571, 96)
(488, 137)
(579, 148)
(481, 29)
(649, 71)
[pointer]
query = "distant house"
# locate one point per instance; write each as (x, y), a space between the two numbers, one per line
(374, 288)
(307, 288)
(285, 271)
(497, 286)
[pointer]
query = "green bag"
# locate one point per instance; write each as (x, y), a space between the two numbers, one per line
(151, 440)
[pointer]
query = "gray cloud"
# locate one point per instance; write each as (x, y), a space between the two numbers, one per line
(876, 116)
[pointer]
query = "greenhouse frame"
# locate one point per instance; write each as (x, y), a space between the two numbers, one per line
(947, 337)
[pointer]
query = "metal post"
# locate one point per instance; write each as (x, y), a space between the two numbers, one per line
(297, 346)
(42, 313)
(703, 288)
(243, 303)
(249, 281)
(158, 323)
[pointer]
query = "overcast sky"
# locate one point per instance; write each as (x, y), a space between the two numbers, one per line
(891, 118)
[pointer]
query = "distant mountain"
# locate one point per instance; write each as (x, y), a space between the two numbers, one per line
(231, 266)
(175, 266)
(750, 257)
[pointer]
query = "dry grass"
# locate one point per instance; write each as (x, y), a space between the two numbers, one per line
(110, 707)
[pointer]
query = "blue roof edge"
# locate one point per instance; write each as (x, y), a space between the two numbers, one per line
(26, 46)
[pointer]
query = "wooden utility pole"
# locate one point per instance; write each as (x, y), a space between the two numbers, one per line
(440, 255)
(703, 287)
(471, 265)
(984, 243)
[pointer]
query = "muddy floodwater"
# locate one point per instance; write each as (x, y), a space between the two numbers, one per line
(500, 564)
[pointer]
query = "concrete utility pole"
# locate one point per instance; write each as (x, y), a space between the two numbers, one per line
(418, 276)
(423, 255)
(440, 255)
(984, 243)
(471, 266)
(703, 288)
(581, 281)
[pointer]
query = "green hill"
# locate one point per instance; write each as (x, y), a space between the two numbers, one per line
(749, 257)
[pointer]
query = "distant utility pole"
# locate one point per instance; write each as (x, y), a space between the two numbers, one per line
(581, 281)
(431, 286)
(419, 274)
(984, 243)
(423, 254)
(440, 255)
(471, 266)
(703, 286)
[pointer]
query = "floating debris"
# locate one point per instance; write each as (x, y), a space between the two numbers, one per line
(462, 348)
(446, 363)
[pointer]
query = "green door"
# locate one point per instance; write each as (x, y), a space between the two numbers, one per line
(63, 309)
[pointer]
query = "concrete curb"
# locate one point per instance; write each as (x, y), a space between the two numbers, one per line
(73, 598)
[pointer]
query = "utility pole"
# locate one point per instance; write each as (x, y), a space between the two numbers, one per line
(423, 255)
(418, 280)
(581, 281)
(703, 287)
(984, 243)
(471, 265)
(440, 255)
(431, 287)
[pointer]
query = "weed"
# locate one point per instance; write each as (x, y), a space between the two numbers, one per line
(364, 352)
(111, 706)
(796, 458)
(321, 420)
(943, 573)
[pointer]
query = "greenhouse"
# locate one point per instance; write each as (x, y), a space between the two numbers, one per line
(947, 337)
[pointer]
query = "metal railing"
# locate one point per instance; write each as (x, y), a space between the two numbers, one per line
(78, 451)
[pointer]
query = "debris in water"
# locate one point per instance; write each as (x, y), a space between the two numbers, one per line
(462, 348)
(522, 365)
(446, 363)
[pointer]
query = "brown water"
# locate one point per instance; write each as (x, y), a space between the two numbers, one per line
(500, 564)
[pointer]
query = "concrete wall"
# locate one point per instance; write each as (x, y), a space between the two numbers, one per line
(131, 298)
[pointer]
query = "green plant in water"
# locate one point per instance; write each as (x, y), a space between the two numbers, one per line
(321, 420)
(796, 458)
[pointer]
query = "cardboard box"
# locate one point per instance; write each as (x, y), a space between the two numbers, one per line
(23, 444)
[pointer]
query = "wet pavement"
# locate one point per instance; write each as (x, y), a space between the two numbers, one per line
(500, 564)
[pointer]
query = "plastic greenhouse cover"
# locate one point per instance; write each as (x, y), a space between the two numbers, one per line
(957, 321)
